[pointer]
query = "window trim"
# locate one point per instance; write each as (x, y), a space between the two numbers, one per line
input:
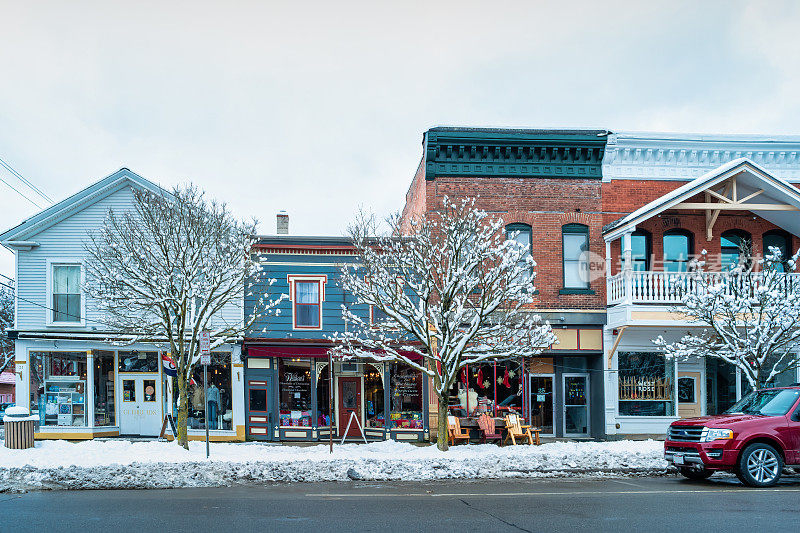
(573, 229)
(49, 309)
(321, 280)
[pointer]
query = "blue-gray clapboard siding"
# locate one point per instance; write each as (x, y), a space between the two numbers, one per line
(279, 267)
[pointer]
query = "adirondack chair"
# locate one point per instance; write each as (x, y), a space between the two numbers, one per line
(454, 430)
(486, 423)
(516, 431)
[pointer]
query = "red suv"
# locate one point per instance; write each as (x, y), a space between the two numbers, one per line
(755, 439)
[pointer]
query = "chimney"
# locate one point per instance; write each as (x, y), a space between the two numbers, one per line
(283, 223)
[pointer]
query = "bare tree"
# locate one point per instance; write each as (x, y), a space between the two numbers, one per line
(6, 323)
(750, 316)
(454, 293)
(165, 271)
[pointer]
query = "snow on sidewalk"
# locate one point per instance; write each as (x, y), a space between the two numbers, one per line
(125, 464)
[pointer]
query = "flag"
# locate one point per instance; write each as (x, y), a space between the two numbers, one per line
(170, 368)
(169, 365)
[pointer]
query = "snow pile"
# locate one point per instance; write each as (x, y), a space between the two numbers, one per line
(124, 464)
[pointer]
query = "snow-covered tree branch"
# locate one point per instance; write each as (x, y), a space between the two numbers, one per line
(750, 315)
(164, 272)
(6, 323)
(453, 293)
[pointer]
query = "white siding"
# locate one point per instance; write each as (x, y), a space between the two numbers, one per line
(65, 240)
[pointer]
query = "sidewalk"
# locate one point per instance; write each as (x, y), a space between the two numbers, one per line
(125, 464)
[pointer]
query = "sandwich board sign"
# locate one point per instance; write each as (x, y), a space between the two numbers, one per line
(205, 348)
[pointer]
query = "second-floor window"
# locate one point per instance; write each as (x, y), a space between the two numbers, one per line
(307, 304)
(575, 242)
(66, 292)
(735, 248)
(523, 235)
(640, 251)
(780, 240)
(677, 251)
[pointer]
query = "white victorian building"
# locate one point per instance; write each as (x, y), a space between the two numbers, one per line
(666, 199)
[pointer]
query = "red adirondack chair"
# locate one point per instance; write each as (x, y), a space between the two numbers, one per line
(486, 423)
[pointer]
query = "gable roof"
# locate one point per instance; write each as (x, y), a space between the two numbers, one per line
(78, 201)
(751, 176)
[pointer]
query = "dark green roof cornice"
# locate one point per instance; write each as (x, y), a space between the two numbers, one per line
(516, 153)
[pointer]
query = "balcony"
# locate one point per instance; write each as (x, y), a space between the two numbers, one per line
(669, 288)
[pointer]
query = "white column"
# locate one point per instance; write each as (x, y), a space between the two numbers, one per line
(89, 390)
(237, 388)
(22, 385)
(627, 267)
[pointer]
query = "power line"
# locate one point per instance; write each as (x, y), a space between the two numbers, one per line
(36, 189)
(18, 192)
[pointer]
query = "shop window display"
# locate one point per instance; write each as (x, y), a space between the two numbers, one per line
(493, 388)
(373, 397)
(217, 390)
(104, 414)
(136, 361)
(58, 388)
(406, 396)
(323, 398)
(294, 392)
(646, 384)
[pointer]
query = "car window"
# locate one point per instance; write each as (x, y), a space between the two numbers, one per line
(772, 402)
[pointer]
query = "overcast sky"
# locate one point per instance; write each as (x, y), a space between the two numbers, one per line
(319, 108)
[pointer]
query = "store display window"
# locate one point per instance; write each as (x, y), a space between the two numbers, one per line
(493, 388)
(294, 392)
(136, 361)
(323, 398)
(218, 391)
(405, 395)
(646, 384)
(58, 388)
(373, 397)
(104, 412)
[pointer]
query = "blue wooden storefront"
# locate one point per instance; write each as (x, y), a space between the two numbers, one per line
(287, 380)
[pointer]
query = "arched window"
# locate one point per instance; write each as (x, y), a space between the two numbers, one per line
(781, 240)
(641, 243)
(575, 241)
(735, 246)
(678, 249)
(523, 234)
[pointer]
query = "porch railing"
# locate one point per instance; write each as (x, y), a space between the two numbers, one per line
(671, 287)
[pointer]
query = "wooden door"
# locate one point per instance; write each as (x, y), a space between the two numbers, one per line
(689, 394)
(349, 402)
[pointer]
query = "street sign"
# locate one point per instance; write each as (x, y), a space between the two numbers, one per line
(205, 348)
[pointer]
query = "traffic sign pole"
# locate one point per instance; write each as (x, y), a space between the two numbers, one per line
(205, 360)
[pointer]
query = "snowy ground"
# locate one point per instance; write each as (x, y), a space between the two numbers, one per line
(124, 464)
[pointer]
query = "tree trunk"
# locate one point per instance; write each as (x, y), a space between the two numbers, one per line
(183, 411)
(442, 432)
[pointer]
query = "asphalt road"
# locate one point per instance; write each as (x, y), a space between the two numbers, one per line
(634, 504)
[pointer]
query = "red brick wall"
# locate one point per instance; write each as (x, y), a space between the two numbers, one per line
(415, 197)
(544, 204)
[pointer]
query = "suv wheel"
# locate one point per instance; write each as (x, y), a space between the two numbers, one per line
(760, 465)
(695, 474)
